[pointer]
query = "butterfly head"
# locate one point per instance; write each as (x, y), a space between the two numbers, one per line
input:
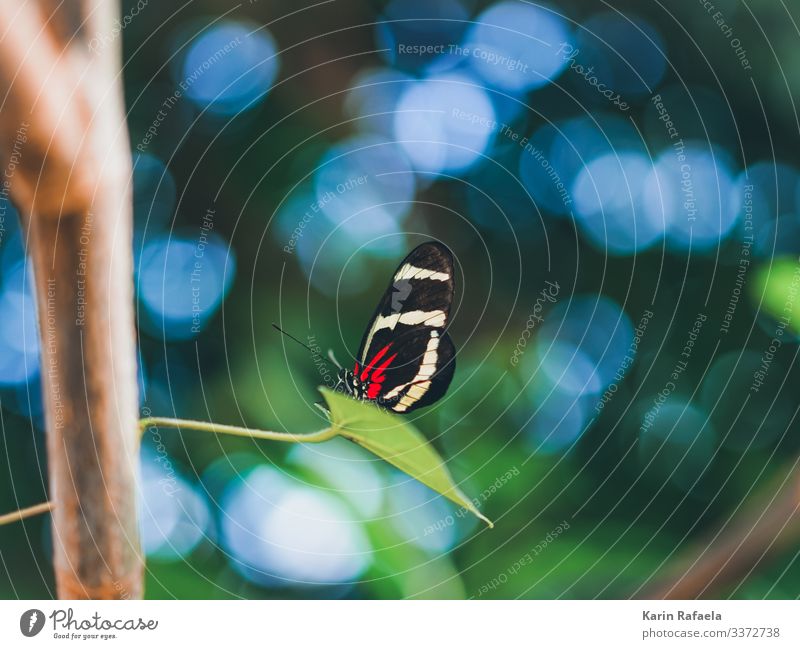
(350, 383)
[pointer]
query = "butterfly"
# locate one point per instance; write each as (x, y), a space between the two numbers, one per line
(406, 359)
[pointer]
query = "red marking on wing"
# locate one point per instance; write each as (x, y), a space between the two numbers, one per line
(378, 377)
(374, 360)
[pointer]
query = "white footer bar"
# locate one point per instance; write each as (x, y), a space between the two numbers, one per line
(407, 624)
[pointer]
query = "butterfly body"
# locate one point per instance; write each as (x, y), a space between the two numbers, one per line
(406, 359)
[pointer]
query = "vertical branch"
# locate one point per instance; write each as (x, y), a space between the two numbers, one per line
(73, 188)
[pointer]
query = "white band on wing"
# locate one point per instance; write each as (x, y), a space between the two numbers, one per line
(436, 319)
(407, 271)
(421, 382)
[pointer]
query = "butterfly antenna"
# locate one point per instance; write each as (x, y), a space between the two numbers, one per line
(314, 352)
(288, 335)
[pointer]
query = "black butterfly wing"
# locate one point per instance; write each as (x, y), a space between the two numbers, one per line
(406, 359)
(421, 372)
(422, 285)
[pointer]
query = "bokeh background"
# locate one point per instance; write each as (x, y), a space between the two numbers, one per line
(627, 158)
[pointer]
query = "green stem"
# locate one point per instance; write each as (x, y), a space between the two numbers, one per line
(220, 429)
(239, 431)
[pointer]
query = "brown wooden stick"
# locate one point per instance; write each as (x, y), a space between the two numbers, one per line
(768, 524)
(22, 514)
(72, 186)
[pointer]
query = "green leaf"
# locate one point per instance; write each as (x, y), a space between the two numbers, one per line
(394, 440)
